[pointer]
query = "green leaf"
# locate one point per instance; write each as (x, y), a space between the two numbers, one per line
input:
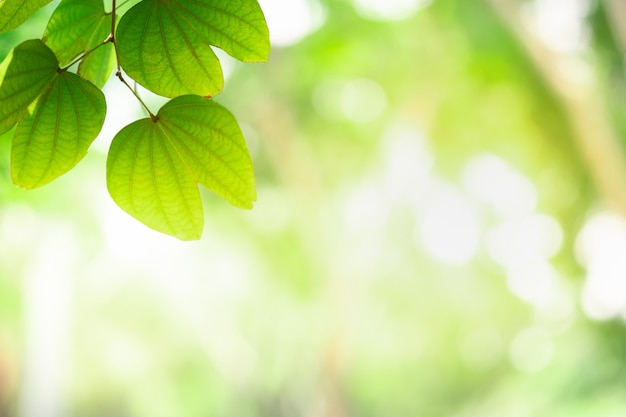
(154, 166)
(98, 66)
(24, 75)
(56, 135)
(78, 26)
(15, 12)
(164, 45)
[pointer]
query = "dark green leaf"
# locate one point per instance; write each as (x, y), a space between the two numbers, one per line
(56, 135)
(15, 12)
(24, 75)
(154, 167)
(165, 45)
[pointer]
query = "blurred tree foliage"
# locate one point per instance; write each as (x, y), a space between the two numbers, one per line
(332, 297)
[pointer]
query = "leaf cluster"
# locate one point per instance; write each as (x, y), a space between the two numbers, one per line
(51, 92)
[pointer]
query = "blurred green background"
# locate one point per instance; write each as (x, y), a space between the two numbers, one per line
(439, 232)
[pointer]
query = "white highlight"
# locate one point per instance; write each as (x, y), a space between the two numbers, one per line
(290, 21)
(601, 246)
(389, 9)
(408, 164)
(449, 227)
(365, 210)
(538, 236)
(48, 318)
(534, 281)
(492, 180)
(560, 24)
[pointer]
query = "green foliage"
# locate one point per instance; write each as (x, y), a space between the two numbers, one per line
(14, 12)
(165, 46)
(155, 164)
(56, 135)
(79, 26)
(25, 74)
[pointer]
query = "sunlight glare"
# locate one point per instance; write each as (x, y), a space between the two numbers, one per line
(493, 181)
(290, 21)
(389, 9)
(48, 301)
(449, 226)
(408, 163)
(560, 24)
(534, 281)
(601, 246)
(365, 210)
(536, 236)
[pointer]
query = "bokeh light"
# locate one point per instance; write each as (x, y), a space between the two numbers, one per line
(438, 232)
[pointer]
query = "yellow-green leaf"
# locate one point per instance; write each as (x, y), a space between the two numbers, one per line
(165, 45)
(24, 75)
(98, 66)
(154, 166)
(77, 26)
(15, 12)
(56, 135)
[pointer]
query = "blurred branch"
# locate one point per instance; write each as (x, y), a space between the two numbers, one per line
(617, 18)
(574, 85)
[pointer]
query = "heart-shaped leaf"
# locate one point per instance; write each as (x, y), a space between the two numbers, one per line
(164, 45)
(24, 75)
(56, 135)
(77, 26)
(15, 12)
(154, 166)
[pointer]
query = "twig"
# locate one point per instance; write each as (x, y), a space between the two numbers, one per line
(617, 17)
(596, 138)
(118, 72)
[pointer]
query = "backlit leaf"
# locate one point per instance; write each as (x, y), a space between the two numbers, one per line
(56, 135)
(98, 66)
(24, 75)
(77, 26)
(164, 45)
(154, 167)
(15, 12)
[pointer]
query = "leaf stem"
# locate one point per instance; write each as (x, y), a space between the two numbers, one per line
(118, 72)
(84, 55)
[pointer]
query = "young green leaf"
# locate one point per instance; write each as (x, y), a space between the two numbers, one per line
(55, 137)
(98, 66)
(154, 166)
(15, 12)
(24, 75)
(77, 26)
(164, 45)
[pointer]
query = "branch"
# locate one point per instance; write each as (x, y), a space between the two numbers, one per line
(118, 72)
(617, 17)
(596, 138)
